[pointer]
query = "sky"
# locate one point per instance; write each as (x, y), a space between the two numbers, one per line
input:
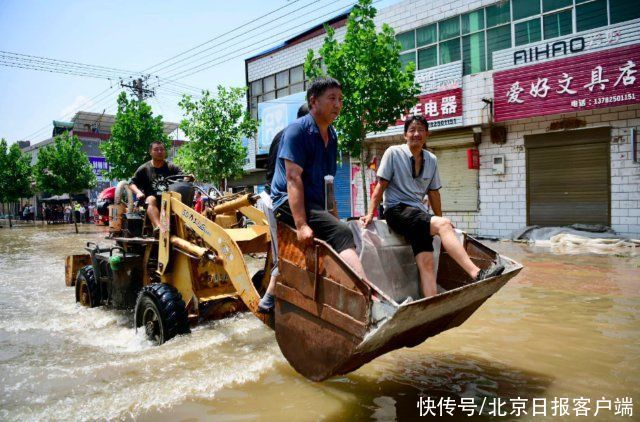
(135, 36)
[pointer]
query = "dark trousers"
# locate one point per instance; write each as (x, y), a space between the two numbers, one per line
(325, 226)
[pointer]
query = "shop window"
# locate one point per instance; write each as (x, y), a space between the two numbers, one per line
(282, 79)
(498, 14)
(426, 35)
(527, 32)
(450, 51)
(428, 57)
(282, 92)
(269, 83)
(472, 21)
(591, 15)
(623, 10)
(269, 96)
(256, 87)
(557, 24)
(407, 58)
(525, 8)
(497, 39)
(407, 40)
(297, 74)
(449, 28)
(473, 51)
(297, 88)
(549, 5)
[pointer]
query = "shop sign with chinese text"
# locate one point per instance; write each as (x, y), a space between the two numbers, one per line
(439, 100)
(597, 70)
(99, 166)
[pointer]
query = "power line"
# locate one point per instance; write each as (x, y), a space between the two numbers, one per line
(95, 106)
(221, 35)
(188, 60)
(199, 68)
(65, 116)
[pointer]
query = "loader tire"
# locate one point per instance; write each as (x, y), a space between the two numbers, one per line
(161, 312)
(87, 289)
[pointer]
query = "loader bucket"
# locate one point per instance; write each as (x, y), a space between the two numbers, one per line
(329, 321)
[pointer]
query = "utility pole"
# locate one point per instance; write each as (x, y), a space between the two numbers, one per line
(139, 88)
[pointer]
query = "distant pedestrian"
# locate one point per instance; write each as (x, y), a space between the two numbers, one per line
(83, 214)
(67, 214)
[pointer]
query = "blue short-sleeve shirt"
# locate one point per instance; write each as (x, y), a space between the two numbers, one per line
(302, 144)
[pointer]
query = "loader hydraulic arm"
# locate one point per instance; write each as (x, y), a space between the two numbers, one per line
(221, 244)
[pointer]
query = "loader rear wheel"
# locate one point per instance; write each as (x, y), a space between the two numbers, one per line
(161, 312)
(87, 289)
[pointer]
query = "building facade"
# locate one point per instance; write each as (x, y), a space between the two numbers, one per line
(92, 129)
(534, 108)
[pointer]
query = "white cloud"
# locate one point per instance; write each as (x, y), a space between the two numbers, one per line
(80, 103)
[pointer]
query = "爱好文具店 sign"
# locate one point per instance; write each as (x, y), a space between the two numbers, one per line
(589, 81)
(588, 70)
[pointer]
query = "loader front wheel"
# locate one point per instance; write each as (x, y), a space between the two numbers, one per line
(87, 289)
(161, 312)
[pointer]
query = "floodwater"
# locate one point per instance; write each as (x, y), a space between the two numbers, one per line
(566, 328)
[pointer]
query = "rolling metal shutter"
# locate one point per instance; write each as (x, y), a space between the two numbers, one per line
(568, 178)
(459, 183)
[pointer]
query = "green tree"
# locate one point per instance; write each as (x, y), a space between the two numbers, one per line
(15, 173)
(62, 167)
(215, 126)
(377, 89)
(132, 132)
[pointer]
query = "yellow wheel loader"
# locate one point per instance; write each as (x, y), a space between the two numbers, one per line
(191, 269)
(328, 320)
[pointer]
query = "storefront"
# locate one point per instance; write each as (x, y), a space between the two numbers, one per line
(583, 91)
(440, 101)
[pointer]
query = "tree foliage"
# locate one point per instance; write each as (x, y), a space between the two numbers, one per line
(62, 167)
(376, 87)
(215, 126)
(15, 173)
(132, 132)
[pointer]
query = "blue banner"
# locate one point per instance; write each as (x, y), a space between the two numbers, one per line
(274, 116)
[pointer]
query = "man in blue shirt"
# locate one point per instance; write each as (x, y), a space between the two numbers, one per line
(308, 152)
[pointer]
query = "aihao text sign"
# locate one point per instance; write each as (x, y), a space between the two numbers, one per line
(601, 79)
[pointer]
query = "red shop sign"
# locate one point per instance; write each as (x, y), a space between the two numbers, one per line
(595, 80)
(442, 109)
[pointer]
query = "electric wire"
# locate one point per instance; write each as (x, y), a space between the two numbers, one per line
(221, 35)
(188, 60)
(268, 41)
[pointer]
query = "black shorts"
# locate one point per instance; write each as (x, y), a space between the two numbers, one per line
(414, 224)
(324, 225)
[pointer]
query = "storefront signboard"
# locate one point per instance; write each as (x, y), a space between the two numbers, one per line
(588, 70)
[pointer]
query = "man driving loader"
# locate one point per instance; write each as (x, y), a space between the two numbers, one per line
(149, 181)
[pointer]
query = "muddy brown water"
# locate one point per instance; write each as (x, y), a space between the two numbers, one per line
(566, 327)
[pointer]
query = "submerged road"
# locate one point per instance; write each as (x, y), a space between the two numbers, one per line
(568, 327)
